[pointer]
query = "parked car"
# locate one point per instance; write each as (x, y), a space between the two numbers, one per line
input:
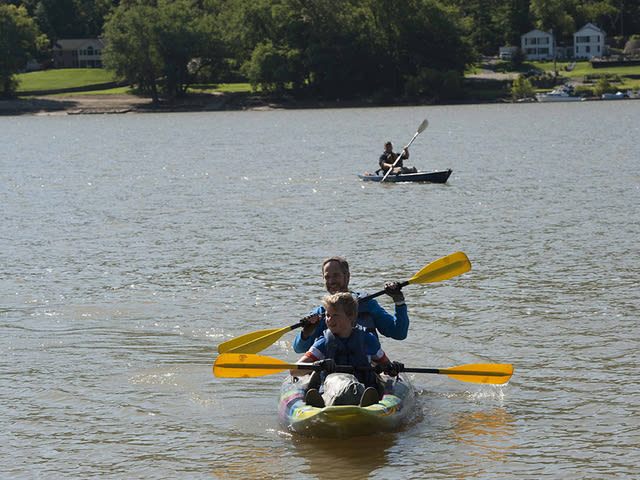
(533, 72)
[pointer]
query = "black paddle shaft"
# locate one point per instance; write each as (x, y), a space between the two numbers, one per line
(377, 294)
(304, 321)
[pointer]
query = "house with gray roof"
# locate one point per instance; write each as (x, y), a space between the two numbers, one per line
(588, 42)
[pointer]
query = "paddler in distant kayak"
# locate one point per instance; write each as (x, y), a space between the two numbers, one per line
(347, 344)
(371, 316)
(389, 157)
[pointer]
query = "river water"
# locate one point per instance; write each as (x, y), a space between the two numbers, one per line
(133, 244)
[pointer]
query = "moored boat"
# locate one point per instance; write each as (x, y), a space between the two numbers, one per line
(436, 176)
(563, 93)
(620, 95)
(341, 421)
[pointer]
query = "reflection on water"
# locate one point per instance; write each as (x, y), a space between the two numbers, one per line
(491, 433)
(242, 460)
(349, 459)
(295, 457)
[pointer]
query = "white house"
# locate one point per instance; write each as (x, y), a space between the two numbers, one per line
(78, 53)
(507, 52)
(588, 42)
(537, 45)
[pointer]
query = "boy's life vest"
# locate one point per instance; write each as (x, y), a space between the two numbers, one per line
(351, 351)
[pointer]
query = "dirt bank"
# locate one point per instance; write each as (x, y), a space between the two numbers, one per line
(102, 104)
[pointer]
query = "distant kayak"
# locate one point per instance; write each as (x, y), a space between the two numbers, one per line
(341, 421)
(436, 176)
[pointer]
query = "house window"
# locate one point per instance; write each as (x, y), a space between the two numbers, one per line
(587, 49)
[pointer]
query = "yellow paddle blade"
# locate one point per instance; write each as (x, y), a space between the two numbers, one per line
(240, 365)
(232, 344)
(260, 343)
(493, 373)
(442, 269)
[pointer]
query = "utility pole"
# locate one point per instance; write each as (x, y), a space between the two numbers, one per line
(553, 46)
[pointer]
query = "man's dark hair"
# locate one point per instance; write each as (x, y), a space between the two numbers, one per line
(344, 266)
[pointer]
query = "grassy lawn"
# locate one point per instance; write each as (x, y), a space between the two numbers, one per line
(582, 69)
(62, 78)
(579, 73)
(80, 77)
(221, 87)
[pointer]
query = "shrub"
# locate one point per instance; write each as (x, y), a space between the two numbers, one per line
(603, 86)
(583, 91)
(521, 88)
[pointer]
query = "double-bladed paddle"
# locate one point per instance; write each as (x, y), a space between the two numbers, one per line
(442, 269)
(421, 129)
(241, 365)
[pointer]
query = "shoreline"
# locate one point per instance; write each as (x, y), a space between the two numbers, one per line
(100, 103)
(87, 104)
(200, 102)
(127, 103)
(82, 104)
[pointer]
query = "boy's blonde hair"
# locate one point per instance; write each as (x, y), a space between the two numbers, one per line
(344, 300)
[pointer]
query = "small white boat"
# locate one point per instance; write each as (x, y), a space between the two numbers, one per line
(617, 95)
(560, 94)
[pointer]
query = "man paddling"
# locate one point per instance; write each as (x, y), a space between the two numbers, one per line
(390, 160)
(371, 316)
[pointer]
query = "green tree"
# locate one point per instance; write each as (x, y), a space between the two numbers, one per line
(553, 14)
(155, 44)
(607, 14)
(132, 51)
(69, 18)
(347, 48)
(604, 86)
(433, 49)
(20, 40)
(521, 88)
(340, 49)
(511, 19)
(491, 24)
(271, 68)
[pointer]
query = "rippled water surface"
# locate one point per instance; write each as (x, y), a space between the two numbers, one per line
(132, 245)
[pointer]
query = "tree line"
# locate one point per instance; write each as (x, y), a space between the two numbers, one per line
(307, 48)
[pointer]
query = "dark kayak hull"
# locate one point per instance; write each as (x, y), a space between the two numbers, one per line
(436, 176)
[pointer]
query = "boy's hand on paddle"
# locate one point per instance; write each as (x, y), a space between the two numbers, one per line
(328, 365)
(394, 368)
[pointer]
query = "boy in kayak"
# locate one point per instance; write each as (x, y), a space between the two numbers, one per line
(345, 343)
(371, 316)
(388, 158)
